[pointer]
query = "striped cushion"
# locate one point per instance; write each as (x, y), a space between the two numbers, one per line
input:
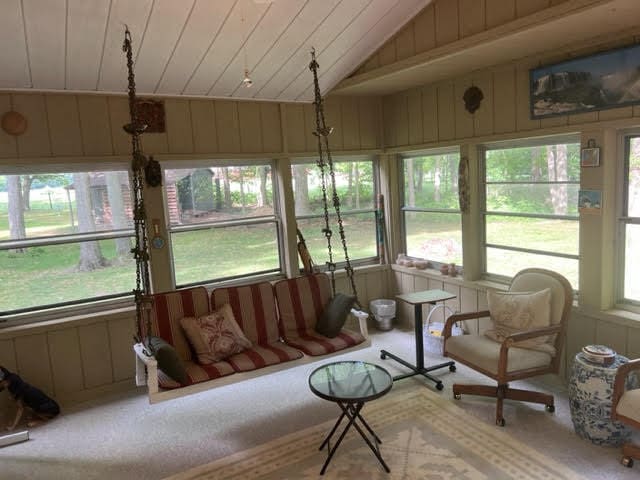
(312, 343)
(197, 373)
(254, 308)
(301, 301)
(263, 356)
(168, 308)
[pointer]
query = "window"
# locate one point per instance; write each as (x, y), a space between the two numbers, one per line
(430, 209)
(356, 188)
(630, 221)
(65, 238)
(531, 203)
(222, 222)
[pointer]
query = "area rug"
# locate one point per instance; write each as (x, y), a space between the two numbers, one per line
(424, 437)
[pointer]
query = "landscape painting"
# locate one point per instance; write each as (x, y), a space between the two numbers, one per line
(605, 80)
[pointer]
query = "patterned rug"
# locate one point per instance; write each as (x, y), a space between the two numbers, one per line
(424, 436)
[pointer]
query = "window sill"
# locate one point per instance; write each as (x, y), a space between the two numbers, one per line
(433, 274)
(615, 315)
(12, 331)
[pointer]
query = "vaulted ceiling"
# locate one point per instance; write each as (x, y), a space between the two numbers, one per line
(192, 47)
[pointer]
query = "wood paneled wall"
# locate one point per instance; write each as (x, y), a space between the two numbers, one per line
(584, 329)
(434, 114)
(66, 125)
(445, 21)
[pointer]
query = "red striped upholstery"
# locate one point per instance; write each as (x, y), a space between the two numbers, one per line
(301, 301)
(254, 308)
(263, 356)
(168, 308)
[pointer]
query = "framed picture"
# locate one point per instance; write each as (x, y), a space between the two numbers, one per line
(589, 201)
(595, 82)
(590, 157)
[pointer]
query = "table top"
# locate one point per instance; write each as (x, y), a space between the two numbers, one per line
(426, 296)
(350, 381)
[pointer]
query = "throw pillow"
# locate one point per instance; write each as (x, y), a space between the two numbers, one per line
(215, 336)
(169, 362)
(513, 312)
(334, 315)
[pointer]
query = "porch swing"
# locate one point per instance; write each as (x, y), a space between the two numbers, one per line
(273, 317)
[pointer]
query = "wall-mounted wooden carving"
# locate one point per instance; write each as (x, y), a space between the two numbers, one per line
(472, 98)
(151, 113)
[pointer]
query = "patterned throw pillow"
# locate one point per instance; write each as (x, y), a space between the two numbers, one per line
(215, 336)
(513, 312)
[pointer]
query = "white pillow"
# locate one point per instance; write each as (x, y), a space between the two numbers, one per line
(513, 312)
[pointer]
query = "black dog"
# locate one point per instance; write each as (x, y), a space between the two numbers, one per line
(28, 396)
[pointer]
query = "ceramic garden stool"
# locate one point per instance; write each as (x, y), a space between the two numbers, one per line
(590, 389)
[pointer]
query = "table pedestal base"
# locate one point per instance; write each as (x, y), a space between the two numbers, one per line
(417, 370)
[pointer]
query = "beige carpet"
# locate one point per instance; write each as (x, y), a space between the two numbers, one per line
(423, 435)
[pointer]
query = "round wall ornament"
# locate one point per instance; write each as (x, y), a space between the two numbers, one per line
(14, 123)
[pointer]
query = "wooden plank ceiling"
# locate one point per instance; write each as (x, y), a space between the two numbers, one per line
(195, 48)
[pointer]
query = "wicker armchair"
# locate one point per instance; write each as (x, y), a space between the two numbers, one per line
(625, 408)
(505, 361)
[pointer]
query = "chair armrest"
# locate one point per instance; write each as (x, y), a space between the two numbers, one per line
(514, 338)
(619, 383)
(146, 367)
(457, 317)
(362, 320)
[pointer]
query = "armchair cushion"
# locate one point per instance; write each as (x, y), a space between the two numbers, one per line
(484, 353)
(513, 312)
(629, 405)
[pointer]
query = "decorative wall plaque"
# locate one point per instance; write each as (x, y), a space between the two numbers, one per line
(151, 113)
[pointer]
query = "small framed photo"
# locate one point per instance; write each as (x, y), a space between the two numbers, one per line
(589, 201)
(590, 157)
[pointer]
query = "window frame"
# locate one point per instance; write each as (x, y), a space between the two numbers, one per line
(375, 165)
(623, 219)
(403, 208)
(482, 190)
(54, 311)
(276, 219)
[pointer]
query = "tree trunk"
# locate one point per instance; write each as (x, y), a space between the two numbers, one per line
(27, 180)
(263, 200)
(557, 170)
(436, 180)
(118, 216)
(302, 190)
(356, 181)
(90, 255)
(350, 185)
(411, 189)
(17, 228)
(226, 187)
(420, 175)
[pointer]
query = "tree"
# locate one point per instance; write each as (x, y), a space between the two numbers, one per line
(557, 171)
(90, 255)
(17, 228)
(226, 187)
(411, 189)
(114, 182)
(263, 199)
(302, 190)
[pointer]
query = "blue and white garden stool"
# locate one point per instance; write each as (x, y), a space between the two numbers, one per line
(590, 390)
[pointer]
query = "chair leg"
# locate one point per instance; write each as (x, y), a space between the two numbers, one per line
(482, 390)
(629, 452)
(529, 396)
(501, 393)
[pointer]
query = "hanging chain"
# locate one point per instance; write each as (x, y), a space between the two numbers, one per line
(142, 292)
(322, 132)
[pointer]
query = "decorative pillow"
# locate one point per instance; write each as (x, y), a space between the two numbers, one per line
(334, 315)
(215, 336)
(169, 362)
(513, 312)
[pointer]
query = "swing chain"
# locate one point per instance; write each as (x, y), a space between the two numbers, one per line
(322, 132)
(142, 292)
